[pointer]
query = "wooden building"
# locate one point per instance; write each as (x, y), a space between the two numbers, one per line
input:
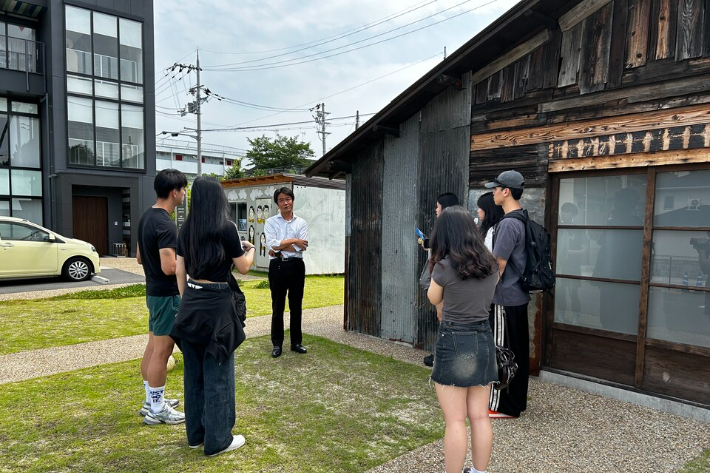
(604, 107)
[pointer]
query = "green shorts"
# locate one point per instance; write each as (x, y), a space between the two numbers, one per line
(162, 312)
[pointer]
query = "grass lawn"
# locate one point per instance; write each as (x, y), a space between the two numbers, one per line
(699, 465)
(337, 409)
(100, 315)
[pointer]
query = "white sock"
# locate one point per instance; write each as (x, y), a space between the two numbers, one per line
(157, 401)
(474, 470)
(147, 391)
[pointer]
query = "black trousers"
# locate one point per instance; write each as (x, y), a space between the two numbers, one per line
(514, 399)
(286, 277)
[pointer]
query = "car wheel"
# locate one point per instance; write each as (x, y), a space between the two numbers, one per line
(77, 269)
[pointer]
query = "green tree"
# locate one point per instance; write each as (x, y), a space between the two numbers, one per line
(235, 171)
(281, 152)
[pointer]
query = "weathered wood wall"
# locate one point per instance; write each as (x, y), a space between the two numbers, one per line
(619, 77)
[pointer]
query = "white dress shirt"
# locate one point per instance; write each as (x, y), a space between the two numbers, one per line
(278, 229)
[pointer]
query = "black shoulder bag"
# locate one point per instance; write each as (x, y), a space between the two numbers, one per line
(505, 359)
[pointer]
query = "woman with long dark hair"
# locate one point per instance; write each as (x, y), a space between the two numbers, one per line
(463, 276)
(206, 325)
(489, 214)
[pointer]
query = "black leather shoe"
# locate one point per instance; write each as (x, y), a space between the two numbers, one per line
(299, 349)
(276, 352)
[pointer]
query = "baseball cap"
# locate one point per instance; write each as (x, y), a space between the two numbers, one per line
(509, 179)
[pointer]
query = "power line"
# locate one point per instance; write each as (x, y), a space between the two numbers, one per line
(334, 37)
(346, 90)
(288, 62)
(280, 124)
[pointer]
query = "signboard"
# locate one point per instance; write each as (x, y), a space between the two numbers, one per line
(181, 213)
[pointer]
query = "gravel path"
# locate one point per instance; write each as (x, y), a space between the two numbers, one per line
(564, 430)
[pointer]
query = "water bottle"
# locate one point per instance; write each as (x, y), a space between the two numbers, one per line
(685, 281)
(699, 280)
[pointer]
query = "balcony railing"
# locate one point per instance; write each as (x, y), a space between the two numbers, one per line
(21, 54)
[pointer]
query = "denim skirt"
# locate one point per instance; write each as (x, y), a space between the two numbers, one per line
(465, 355)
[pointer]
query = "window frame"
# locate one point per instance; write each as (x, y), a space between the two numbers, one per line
(119, 101)
(10, 167)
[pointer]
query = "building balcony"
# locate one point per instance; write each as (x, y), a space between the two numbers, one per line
(21, 55)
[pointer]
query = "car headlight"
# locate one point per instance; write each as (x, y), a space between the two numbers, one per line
(92, 248)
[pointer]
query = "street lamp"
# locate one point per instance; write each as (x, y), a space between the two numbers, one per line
(194, 137)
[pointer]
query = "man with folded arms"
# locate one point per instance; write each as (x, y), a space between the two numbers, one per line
(287, 239)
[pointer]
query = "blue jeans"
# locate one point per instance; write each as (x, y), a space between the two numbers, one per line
(209, 398)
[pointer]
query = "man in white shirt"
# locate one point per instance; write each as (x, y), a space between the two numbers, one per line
(287, 239)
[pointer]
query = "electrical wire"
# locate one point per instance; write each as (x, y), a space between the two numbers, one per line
(333, 38)
(288, 62)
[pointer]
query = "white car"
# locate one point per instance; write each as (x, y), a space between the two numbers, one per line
(28, 250)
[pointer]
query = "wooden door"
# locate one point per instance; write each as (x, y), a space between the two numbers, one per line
(90, 218)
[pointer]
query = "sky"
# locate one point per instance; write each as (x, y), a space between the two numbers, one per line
(248, 52)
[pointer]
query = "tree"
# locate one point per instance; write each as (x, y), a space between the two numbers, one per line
(234, 171)
(281, 152)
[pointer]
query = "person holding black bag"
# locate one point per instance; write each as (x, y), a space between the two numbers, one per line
(463, 277)
(208, 328)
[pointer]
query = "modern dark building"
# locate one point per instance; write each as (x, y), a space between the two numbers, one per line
(77, 121)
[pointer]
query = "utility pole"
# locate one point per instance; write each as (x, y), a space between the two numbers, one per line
(320, 120)
(444, 52)
(199, 119)
(357, 119)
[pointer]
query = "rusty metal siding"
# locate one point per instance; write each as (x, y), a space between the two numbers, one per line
(365, 257)
(443, 166)
(400, 251)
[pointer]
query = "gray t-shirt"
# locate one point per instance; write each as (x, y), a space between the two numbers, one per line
(509, 245)
(465, 300)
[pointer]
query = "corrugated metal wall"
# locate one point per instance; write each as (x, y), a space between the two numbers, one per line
(400, 251)
(444, 148)
(365, 256)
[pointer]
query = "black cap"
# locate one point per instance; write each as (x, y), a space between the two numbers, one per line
(509, 179)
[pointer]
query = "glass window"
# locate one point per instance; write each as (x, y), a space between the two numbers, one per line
(106, 89)
(612, 254)
(600, 305)
(107, 134)
(131, 51)
(3, 100)
(105, 46)
(132, 137)
(79, 85)
(682, 199)
(608, 200)
(4, 181)
(26, 182)
(679, 315)
(30, 209)
(24, 137)
(81, 131)
(21, 107)
(78, 38)
(4, 209)
(4, 141)
(680, 257)
(21, 48)
(132, 93)
(3, 49)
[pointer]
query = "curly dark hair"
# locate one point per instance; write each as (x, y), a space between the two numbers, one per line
(456, 237)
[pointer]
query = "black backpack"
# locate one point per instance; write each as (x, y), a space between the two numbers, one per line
(538, 275)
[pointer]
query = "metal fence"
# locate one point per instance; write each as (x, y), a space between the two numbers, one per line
(21, 54)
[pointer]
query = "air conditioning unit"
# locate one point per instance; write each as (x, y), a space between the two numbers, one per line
(694, 203)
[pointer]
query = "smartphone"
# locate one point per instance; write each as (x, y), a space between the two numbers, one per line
(420, 234)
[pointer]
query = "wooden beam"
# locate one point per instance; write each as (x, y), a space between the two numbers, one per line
(643, 93)
(544, 20)
(511, 56)
(580, 12)
(386, 129)
(590, 128)
(450, 81)
(661, 158)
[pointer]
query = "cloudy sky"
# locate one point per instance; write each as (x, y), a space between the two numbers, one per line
(266, 59)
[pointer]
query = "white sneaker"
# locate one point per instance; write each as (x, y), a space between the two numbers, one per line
(237, 442)
(146, 406)
(167, 415)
